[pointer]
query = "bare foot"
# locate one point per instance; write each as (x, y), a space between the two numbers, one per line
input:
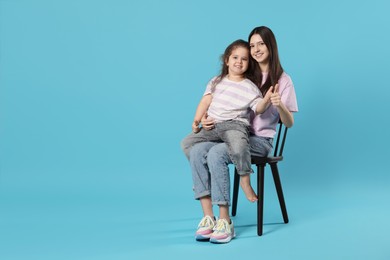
(245, 183)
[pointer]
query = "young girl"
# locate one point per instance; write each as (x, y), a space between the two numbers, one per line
(228, 99)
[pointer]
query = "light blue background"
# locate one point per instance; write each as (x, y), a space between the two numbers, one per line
(95, 97)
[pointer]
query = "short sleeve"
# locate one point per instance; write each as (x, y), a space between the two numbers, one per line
(287, 93)
(209, 87)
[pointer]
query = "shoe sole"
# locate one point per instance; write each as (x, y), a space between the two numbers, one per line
(222, 241)
(202, 238)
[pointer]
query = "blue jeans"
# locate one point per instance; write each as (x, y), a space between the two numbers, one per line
(210, 172)
(234, 133)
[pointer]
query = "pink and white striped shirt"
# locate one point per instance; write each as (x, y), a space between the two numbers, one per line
(232, 100)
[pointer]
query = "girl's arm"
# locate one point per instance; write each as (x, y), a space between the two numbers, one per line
(285, 115)
(200, 111)
(274, 98)
(263, 103)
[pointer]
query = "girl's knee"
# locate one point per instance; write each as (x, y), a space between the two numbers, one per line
(218, 152)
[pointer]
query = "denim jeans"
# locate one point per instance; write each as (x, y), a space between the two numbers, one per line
(234, 133)
(210, 172)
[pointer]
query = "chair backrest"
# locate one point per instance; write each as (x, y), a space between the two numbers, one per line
(282, 130)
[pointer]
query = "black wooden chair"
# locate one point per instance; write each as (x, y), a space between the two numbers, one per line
(261, 162)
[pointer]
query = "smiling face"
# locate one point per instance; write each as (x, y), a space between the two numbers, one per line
(259, 50)
(238, 61)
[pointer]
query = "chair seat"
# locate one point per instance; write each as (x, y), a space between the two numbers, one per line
(264, 160)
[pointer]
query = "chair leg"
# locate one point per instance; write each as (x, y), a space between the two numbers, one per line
(260, 201)
(235, 192)
(278, 186)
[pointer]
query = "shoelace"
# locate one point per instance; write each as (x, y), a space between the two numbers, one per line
(222, 225)
(206, 221)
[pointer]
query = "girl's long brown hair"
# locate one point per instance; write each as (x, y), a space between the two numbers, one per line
(275, 68)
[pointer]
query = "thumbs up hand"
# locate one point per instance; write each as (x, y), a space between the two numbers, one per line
(275, 97)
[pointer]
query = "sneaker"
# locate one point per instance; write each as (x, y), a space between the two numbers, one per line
(223, 232)
(205, 228)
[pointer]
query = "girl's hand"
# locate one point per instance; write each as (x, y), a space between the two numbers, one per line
(275, 97)
(267, 97)
(195, 127)
(207, 122)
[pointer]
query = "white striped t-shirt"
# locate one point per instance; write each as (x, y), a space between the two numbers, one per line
(232, 100)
